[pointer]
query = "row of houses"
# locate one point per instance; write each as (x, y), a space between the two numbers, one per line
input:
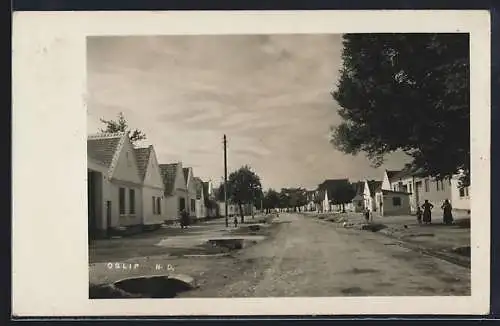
(398, 193)
(127, 186)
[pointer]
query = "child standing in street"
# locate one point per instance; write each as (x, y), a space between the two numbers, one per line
(419, 215)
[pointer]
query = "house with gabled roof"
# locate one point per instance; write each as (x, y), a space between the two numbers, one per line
(175, 191)
(153, 188)
(210, 200)
(421, 187)
(191, 189)
(200, 207)
(114, 183)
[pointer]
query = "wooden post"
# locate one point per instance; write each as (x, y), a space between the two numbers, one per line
(225, 181)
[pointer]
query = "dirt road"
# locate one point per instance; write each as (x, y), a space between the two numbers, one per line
(308, 257)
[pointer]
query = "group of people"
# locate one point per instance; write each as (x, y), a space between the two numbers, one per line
(425, 216)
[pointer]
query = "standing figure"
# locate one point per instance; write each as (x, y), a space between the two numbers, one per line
(184, 219)
(447, 216)
(367, 215)
(419, 215)
(427, 216)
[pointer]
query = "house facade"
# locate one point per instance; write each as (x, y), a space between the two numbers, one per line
(200, 208)
(191, 191)
(422, 187)
(175, 191)
(153, 188)
(114, 184)
(210, 202)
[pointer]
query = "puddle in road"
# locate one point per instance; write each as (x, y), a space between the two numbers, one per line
(143, 287)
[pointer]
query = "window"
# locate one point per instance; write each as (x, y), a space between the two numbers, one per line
(462, 192)
(182, 203)
(132, 201)
(158, 205)
(122, 201)
(396, 201)
(437, 185)
(409, 187)
(154, 205)
(193, 204)
(467, 191)
(426, 184)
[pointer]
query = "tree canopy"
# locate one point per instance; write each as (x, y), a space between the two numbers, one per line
(121, 125)
(244, 187)
(407, 92)
(271, 199)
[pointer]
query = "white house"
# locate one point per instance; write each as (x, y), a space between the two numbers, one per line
(114, 184)
(153, 188)
(423, 187)
(191, 190)
(175, 191)
(200, 208)
(209, 196)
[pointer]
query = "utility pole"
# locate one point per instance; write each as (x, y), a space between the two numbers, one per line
(225, 181)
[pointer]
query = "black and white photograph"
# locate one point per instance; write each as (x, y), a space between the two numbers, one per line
(331, 164)
(279, 165)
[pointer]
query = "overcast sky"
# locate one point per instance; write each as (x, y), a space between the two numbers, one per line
(269, 94)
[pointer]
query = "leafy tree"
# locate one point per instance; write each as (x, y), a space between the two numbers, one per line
(121, 125)
(244, 187)
(271, 200)
(284, 199)
(343, 194)
(406, 92)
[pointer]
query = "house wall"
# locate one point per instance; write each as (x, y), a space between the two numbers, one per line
(326, 204)
(170, 209)
(125, 175)
(434, 195)
(459, 201)
(388, 205)
(113, 194)
(200, 211)
(153, 187)
(150, 215)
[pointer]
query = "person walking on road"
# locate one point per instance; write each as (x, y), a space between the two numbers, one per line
(427, 215)
(447, 216)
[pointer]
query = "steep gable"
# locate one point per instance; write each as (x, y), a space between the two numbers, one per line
(124, 165)
(153, 176)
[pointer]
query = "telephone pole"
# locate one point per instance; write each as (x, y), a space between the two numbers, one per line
(225, 181)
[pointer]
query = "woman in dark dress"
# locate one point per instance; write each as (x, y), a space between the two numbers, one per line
(447, 216)
(427, 216)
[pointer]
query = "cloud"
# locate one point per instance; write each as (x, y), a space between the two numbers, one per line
(269, 93)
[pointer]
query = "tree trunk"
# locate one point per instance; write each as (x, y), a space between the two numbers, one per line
(343, 208)
(241, 213)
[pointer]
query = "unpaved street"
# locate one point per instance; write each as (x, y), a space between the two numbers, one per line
(308, 257)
